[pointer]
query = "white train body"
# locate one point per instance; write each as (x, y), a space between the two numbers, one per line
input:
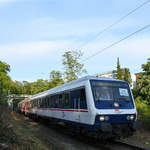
(76, 103)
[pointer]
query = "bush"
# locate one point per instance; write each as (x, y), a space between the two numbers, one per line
(143, 110)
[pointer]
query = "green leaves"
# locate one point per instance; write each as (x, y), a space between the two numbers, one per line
(5, 68)
(55, 79)
(119, 70)
(73, 68)
(143, 82)
(4, 79)
(123, 73)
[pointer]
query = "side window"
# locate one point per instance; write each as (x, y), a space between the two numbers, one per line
(67, 100)
(45, 102)
(78, 99)
(83, 104)
(52, 101)
(48, 100)
(42, 102)
(60, 100)
(38, 103)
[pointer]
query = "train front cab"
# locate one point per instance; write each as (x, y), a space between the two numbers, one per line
(115, 108)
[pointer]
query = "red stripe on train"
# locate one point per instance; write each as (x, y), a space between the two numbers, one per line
(61, 110)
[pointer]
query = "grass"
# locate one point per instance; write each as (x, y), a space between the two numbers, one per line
(143, 110)
(15, 134)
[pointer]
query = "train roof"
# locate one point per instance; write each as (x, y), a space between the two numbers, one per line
(58, 88)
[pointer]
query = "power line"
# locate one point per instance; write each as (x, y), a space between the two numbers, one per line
(113, 24)
(117, 42)
(110, 26)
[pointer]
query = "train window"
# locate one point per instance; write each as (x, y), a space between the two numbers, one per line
(66, 100)
(36, 103)
(83, 104)
(40, 103)
(82, 95)
(53, 101)
(60, 100)
(45, 102)
(103, 93)
(78, 99)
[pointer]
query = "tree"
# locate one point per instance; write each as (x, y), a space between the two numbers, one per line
(143, 82)
(119, 71)
(73, 69)
(55, 79)
(4, 68)
(26, 88)
(39, 86)
(4, 79)
(127, 75)
(17, 87)
(123, 73)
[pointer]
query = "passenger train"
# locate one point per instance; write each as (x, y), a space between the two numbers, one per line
(97, 105)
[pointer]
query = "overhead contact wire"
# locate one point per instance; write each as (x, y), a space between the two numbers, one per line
(117, 42)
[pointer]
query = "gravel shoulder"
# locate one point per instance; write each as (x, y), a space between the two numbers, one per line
(140, 138)
(32, 135)
(50, 138)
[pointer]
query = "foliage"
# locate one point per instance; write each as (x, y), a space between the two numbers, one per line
(39, 86)
(72, 67)
(127, 75)
(143, 82)
(5, 68)
(143, 111)
(119, 70)
(123, 73)
(55, 79)
(4, 80)
(16, 87)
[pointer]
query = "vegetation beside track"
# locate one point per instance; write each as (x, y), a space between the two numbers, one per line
(143, 110)
(15, 135)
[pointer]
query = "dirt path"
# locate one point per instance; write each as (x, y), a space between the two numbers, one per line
(50, 138)
(36, 136)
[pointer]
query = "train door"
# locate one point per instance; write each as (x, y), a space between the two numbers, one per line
(76, 105)
(79, 103)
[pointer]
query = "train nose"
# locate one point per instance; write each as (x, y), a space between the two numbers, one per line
(106, 127)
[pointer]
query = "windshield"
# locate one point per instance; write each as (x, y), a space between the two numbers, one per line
(110, 91)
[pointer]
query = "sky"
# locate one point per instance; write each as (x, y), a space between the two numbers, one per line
(34, 34)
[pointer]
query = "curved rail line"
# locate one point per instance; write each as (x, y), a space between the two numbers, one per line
(106, 145)
(129, 145)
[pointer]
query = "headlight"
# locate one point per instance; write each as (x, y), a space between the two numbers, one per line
(131, 117)
(101, 118)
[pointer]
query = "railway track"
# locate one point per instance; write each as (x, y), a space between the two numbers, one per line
(129, 146)
(120, 145)
(106, 145)
(92, 142)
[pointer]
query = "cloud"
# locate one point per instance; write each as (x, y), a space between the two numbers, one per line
(32, 58)
(132, 53)
(31, 50)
